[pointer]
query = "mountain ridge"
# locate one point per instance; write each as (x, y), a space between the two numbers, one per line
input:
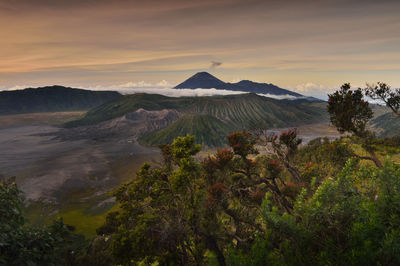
(205, 80)
(211, 117)
(244, 108)
(52, 99)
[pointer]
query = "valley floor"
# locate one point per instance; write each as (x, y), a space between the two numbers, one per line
(65, 177)
(73, 178)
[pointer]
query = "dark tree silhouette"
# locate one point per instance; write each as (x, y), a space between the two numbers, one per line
(349, 112)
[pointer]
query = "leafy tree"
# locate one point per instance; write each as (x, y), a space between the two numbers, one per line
(383, 92)
(283, 148)
(21, 244)
(175, 213)
(161, 210)
(321, 159)
(349, 112)
(238, 207)
(341, 223)
(242, 143)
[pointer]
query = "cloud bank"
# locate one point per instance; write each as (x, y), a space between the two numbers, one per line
(163, 88)
(312, 89)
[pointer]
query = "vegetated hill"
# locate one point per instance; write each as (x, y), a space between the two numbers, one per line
(128, 127)
(218, 114)
(245, 110)
(207, 81)
(124, 105)
(248, 111)
(209, 131)
(387, 125)
(52, 99)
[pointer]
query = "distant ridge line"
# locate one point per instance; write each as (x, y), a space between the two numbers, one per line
(205, 80)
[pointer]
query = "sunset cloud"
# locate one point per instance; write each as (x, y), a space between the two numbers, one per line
(282, 42)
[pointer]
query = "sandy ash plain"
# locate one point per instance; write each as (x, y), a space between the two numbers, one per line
(50, 161)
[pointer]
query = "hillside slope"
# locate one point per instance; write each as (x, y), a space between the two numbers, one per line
(244, 111)
(52, 99)
(210, 118)
(253, 111)
(387, 125)
(209, 131)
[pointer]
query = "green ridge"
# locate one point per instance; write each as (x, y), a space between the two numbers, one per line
(388, 123)
(245, 110)
(52, 99)
(211, 118)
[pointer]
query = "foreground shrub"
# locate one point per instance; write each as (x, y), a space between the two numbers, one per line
(342, 223)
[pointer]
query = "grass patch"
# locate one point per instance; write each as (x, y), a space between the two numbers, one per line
(382, 152)
(86, 218)
(84, 222)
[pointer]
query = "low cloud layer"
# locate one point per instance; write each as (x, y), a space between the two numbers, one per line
(313, 89)
(163, 87)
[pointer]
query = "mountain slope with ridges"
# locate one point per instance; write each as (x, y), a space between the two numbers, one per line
(244, 111)
(209, 131)
(387, 125)
(210, 118)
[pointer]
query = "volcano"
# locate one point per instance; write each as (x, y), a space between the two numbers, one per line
(204, 80)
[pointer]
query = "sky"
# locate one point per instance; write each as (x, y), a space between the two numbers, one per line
(310, 46)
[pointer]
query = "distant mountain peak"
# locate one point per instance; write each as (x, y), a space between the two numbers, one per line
(203, 75)
(205, 80)
(201, 80)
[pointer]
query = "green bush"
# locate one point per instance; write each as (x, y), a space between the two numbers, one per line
(342, 223)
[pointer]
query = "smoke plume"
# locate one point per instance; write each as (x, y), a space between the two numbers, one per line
(215, 64)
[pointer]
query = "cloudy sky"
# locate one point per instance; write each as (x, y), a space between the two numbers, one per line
(309, 46)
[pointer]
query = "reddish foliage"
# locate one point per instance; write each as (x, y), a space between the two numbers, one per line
(258, 194)
(223, 156)
(218, 161)
(215, 192)
(209, 164)
(291, 189)
(291, 185)
(210, 200)
(274, 168)
(217, 189)
(242, 143)
(290, 140)
(290, 134)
